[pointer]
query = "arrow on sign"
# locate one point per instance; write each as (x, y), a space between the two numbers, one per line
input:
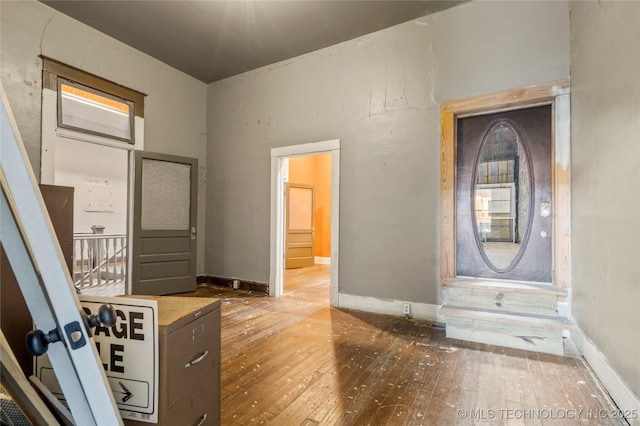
(127, 393)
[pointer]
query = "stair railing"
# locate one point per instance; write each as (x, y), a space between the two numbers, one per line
(99, 259)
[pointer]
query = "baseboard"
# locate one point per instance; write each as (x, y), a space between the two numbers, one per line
(322, 260)
(626, 400)
(422, 311)
(253, 286)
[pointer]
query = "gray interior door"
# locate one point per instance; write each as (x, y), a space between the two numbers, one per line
(503, 203)
(164, 231)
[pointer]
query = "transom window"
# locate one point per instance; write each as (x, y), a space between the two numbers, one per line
(89, 110)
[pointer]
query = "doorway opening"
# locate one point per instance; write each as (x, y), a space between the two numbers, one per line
(312, 247)
(99, 176)
(557, 232)
(505, 224)
(90, 129)
(308, 224)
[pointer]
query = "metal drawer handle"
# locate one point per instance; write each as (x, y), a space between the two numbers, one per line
(202, 420)
(197, 360)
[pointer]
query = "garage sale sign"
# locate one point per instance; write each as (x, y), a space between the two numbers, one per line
(128, 352)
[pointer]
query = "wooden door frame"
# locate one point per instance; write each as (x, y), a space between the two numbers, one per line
(555, 94)
(279, 157)
(50, 132)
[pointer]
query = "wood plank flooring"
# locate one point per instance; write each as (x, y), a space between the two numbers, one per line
(296, 361)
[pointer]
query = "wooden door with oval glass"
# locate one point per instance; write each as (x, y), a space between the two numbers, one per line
(503, 202)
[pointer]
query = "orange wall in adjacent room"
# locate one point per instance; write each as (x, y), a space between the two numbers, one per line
(316, 170)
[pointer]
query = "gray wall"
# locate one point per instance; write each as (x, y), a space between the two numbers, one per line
(485, 47)
(605, 131)
(380, 95)
(175, 108)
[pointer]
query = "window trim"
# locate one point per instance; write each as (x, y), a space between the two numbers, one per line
(52, 69)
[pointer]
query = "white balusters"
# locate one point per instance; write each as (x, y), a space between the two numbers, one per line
(99, 259)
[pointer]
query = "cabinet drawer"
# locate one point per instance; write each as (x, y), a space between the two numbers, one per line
(200, 406)
(191, 352)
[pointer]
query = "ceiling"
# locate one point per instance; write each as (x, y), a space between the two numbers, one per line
(211, 40)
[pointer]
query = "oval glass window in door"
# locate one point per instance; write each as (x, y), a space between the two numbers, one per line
(501, 196)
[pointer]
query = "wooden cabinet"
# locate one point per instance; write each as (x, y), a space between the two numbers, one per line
(59, 203)
(14, 315)
(189, 387)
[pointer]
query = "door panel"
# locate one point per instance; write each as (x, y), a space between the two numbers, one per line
(503, 202)
(300, 225)
(164, 233)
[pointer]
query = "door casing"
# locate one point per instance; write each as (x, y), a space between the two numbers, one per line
(49, 134)
(279, 158)
(555, 94)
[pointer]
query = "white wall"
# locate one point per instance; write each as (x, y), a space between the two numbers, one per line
(175, 106)
(107, 165)
(379, 95)
(605, 131)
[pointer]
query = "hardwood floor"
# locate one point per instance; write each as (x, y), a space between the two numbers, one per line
(296, 361)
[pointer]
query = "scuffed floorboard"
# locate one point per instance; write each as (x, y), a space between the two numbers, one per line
(296, 361)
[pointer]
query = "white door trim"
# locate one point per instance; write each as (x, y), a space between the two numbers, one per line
(278, 158)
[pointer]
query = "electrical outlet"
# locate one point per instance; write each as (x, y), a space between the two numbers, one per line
(407, 309)
(236, 284)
